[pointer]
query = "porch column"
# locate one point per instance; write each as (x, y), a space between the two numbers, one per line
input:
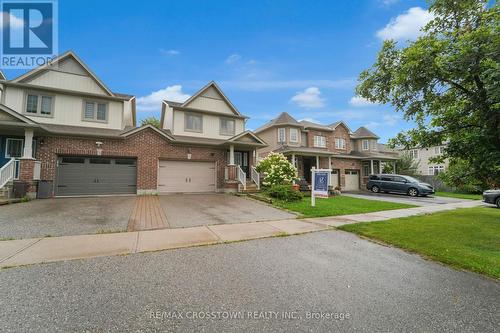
(379, 166)
(371, 167)
(394, 167)
(317, 162)
(231, 155)
(293, 159)
(329, 162)
(28, 143)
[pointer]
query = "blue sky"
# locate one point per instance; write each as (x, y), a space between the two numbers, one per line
(302, 57)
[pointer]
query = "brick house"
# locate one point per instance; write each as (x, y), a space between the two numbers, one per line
(60, 124)
(352, 156)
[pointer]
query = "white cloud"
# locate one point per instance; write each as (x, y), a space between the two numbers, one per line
(153, 101)
(358, 101)
(387, 120)
(406, 26)
(233, 58)
(388, 2)
(169, 52)
(15, 22)
(309, 98)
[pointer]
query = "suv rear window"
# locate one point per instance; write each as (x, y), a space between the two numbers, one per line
(387, 178)
(374, 177)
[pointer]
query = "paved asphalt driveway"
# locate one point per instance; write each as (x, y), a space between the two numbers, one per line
(381, 288)
(65, 216)
(188, 210)
(403, 198)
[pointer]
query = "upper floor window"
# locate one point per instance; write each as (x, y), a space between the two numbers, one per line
(319, 141)
(294, 135)
(39, 105)
(281, 135)
(95, 111)
(414, 153)
(339, 143)
(227, 126)
(438, 150)
(193, 122)
(365, 144)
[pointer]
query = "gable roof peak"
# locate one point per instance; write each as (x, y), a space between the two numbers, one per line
(285, 118)
(58, 59)
(218, 89)
(364, 132)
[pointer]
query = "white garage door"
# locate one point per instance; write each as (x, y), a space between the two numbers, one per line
(351, 180)
(186, 176)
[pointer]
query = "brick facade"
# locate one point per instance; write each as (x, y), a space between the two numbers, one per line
(147, 146)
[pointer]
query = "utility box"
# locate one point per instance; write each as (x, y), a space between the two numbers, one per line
(45, 189)
(20, 189)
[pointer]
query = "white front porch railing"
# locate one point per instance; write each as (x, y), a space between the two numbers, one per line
(37, 170)
(255, 177)
(7, 172)
(242, 176)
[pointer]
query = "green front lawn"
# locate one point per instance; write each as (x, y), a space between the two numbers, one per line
(465, 238)
(459, 195)
(338, 205)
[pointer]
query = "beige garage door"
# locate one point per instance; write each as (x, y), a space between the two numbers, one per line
(186, 176)
(351, 180)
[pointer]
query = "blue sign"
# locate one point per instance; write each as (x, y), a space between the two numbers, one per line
(29, 33)
(321, 181)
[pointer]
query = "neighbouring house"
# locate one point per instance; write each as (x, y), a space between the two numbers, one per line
(60, 124)
(423, 155)
(352, 156)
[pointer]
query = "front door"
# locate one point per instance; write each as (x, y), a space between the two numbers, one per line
(308, 163)
(241, 159)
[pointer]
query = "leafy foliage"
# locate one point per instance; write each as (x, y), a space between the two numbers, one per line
(406, 165)
(151, 121)
(277, 170)
(460, 174)
(447, 82)
(284, 193)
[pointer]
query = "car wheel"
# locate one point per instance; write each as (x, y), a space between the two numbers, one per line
(498, 202)
(375, 189)
(412, 192)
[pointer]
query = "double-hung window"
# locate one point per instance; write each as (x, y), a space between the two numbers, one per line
(365, 145)
(435, 169)
(14, 148)
(227, 126)
(294, 135)
(319, 141)
(39, 105)
(339, 143)
(414, 153)
(438, 150)
(193, 122)
(95, 111)
(281, 135)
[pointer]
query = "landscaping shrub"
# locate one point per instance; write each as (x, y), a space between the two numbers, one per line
(277, 170)
(284, 193)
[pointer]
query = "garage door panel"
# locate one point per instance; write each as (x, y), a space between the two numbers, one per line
(351, 180)
(94, 176)
(186, 176)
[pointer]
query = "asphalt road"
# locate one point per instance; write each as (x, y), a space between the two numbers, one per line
(372, 287)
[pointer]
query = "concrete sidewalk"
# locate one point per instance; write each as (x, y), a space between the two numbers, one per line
(41, 250)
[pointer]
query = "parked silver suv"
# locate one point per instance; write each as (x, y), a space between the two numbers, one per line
(398, 184)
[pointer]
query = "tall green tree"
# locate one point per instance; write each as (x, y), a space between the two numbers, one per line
(447, 81)
(151, 121)
(406, 165)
